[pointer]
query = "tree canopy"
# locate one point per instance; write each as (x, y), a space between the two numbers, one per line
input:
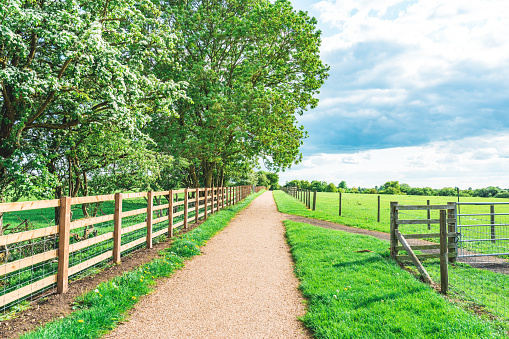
(133, 94)
(252, 67)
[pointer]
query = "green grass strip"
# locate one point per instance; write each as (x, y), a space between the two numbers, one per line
(100, 310)
(356, 294)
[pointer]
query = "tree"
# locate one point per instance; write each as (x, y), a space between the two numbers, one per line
(405, 188)
(262, 179)
(343, 185)
(447, 191)
(273, 181)
(391, 187)
(66, 65)
(252, 66)
(331, 188)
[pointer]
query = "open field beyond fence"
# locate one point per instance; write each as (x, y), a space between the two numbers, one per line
(46, 244)
(483, 291)
(362, 211)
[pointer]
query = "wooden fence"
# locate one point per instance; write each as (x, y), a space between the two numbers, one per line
(447, 234)
(303, 195)
(186, 205)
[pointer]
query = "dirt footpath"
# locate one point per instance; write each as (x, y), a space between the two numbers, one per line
(242, 286)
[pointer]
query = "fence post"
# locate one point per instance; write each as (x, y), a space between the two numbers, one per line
(222, 197)
(170, 215)
(314, 201)
(150, 207)
(197, 207)
(452, 228)
(340, 201)
(212, 201)
(394, 227)
(309, 199)
(378, 218)
(186, 207)
(117, 230)
(444, 274)
(218, 200)
(64, 230)
(429, 214)
(206, 202)
(492, 211)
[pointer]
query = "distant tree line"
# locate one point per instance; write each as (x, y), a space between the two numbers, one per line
(394, 187)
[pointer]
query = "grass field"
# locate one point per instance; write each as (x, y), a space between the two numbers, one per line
(356, 294)
(470, 288)
(360, 210)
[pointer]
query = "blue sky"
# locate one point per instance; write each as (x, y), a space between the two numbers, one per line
(418, 92)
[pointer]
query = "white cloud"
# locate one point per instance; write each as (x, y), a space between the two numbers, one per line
(470, 162)
(435, 35)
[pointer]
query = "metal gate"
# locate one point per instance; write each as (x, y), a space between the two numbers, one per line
(483, 228)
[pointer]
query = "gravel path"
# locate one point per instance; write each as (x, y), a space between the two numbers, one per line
(242, 286)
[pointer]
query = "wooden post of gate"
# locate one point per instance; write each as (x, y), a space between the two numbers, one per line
(170, 215)
(222, 197)
(394, 226)
(314, 201)
(197, 207)
(64, 230)
(378, 217)
(309, 199)
(186, 207)
(150, 207)
(429, 215)
(117, 228)
(444, 274)
(451, 225)
(492, 211)
(340, 200)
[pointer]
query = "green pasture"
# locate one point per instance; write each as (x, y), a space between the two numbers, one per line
(361, 210)
(473, 289)
(353, 293)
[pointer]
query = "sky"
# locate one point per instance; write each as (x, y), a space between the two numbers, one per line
(418, 92)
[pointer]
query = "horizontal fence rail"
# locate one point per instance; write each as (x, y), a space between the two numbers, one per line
(44, 259)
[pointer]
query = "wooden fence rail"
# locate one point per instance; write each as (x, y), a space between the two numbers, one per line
(206, 200)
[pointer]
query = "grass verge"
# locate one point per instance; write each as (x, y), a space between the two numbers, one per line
(99, 311)
(355, 291)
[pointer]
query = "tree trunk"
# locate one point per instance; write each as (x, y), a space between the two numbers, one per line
(2, 200)
(84, 207)
(208, 170)
(221, 178)
(193, 176)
